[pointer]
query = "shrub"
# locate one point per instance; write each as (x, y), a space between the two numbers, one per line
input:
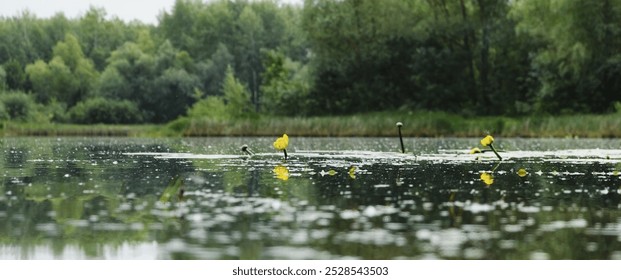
(101, 110)
(4, 115)
(212, 107)
(18, 105)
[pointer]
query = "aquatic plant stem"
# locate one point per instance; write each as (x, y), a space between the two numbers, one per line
(285, 151)
(399, 125)
(494, 150)
(495, 167)
(246, 150)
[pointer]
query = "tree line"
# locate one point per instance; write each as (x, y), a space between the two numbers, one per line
(229, 59)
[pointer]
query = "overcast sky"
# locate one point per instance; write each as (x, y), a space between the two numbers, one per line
(142, 10)
(127, 10)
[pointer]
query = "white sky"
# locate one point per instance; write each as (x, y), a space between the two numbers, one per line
(127, 10)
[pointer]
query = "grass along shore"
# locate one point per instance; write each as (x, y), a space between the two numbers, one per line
(13, 129)
(416, 124)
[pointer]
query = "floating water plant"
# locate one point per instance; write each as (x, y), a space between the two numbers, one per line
(522, 172)
(246, 150)
(281, 144)
(330, 172)
(281, 172)
(352, 172)
(399, 125)
(489, 141)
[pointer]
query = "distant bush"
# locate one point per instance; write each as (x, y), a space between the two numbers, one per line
(101, 110)
(179, 125)
(3, 85)
(212, 107)
(55, 111)
(4, 115)
(17, 105)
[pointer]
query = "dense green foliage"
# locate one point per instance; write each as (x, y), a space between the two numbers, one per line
(100, 110)
(16, 106)
(236, 59)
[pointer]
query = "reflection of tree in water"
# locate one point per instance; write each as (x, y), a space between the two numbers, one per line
(434, 188)
(71, 199)
(252, 184)
(75, 187)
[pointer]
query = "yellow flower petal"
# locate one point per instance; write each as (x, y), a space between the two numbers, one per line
(487, 178)
(475, 151)
(282, 142)
(488, 140)
(522, 172)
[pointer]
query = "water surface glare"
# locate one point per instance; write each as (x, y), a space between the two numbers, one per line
(334, 198)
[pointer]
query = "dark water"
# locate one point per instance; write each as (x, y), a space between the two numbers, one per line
(74, 198)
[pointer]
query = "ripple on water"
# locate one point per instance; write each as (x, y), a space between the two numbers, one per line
(378, 210)
(557, 225)
(349, 214)
(477, 208)
(294, 253)
(448, 242)
(377, 236)
(307, 217)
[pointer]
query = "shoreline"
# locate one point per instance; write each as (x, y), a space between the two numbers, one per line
(382, 124)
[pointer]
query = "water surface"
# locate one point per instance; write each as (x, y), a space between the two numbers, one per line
(334, 198)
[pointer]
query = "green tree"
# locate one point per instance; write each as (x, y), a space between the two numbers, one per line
(101, 110)
(212, 71)
(3, 84)
(68, 77)
(235, 103)
(99, 36)
(160, 83)
(211, 107)
(251, 30)
(221, 33)
(39, 75)
(578, 64)
(173, 94)
(284, 88)
(18, 105)
(15, 75)
(128, 76)
(236, 96)
(362, 51)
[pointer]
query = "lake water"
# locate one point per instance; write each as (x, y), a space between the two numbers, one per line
(334, 198)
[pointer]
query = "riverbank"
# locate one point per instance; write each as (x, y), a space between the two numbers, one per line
(15, 129)
(416, 124)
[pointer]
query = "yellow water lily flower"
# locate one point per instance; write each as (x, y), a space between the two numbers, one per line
(522, 172)
(281, 172)
(475, 150)
(487, 178)
(282, 142)
(488, 140)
